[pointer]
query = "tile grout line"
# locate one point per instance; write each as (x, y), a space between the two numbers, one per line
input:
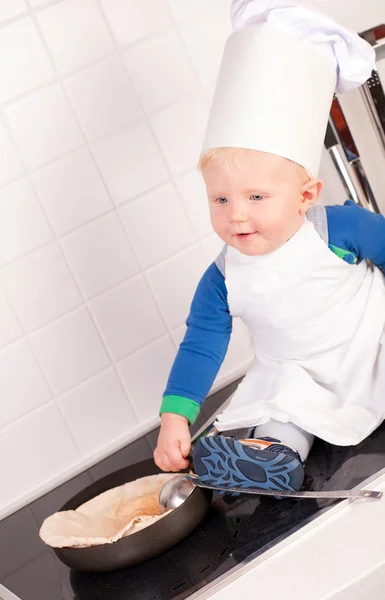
(88, 308)
(87, 302)
(115, 208)
(84, 464)
(148, 114)
(32, 184)
(163, 160)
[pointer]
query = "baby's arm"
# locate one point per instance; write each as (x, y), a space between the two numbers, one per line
(196, 365)
(357, 230)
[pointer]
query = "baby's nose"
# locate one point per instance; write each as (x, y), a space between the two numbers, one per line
(237, 215)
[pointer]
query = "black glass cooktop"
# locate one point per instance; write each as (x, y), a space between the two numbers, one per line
(234, 530)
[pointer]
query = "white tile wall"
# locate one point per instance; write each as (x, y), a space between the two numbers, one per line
(155, 360)
(37, 3)
(104, 229)
(211, 247)
(103, 98)
(27, 65)
(179, 129)
(205, 35)
(173, 299)
(10, 487)
(22, 384)
(10, 166)
(71, 191)
(97, 410)
(10, 329)
(130, 161)
(183, 9)
(192, 192)
(160, 69)
(131, 21)
(75, 33)
(48, 447)
(100, 255)
(154, 216)
(23, 224)
(11, 8)
(43, 126)
(69, 350)
(40, 287)
(127, 317)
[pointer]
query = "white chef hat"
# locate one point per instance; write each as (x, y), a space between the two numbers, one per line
(280, 70)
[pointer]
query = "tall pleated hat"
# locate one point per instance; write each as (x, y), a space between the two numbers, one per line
(280, 69)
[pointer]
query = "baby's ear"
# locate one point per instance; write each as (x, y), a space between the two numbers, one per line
(310, 194)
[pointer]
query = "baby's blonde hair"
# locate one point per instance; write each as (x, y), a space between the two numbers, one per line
(230, 156)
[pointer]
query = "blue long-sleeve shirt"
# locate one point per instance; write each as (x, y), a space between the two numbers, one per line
(354, 234)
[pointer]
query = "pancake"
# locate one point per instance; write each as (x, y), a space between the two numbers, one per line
(116, 513)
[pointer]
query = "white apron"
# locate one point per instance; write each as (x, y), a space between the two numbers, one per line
(317, 325)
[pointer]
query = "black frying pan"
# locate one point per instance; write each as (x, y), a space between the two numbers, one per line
(144, 544)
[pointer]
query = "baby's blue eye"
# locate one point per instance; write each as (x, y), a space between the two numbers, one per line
(256, 197)
(222, 200)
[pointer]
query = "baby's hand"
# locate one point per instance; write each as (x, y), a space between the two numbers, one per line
(174, 443)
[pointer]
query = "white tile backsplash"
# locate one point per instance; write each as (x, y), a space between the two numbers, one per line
(192, 192)
(183, 9)
(130, 20)
(100, 255)
(104, 226)
(22, 386)
(178, 334)
(150, 224)
(10, 329)
(43, 126)
(12, 8)
(173, 283)
(10, 486)
(38, 3)
(72, 191)
(240, 353)
(97, 411)
(27, 65)
(75, 33)
(127, 317)
(160, 69)
(180, 138)
(103, 98)
(130, 161)
(23, 224)
(47, 447)
(10, 166)
(69, 350)
(155, 360)
(211, 247)
(40, 287)
(205, 35)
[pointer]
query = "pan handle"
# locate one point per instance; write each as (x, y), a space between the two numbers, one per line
(206, 428)
(290, 494)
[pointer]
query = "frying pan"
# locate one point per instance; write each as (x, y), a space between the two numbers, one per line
(144, 544)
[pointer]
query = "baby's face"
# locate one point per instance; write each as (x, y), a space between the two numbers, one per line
(258, 205)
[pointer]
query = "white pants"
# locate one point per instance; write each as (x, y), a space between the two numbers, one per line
(287, 433)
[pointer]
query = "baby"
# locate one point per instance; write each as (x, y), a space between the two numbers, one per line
(294, 272)
(316, 318)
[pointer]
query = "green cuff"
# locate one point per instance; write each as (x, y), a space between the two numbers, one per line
(347, 256)
(180, 406)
